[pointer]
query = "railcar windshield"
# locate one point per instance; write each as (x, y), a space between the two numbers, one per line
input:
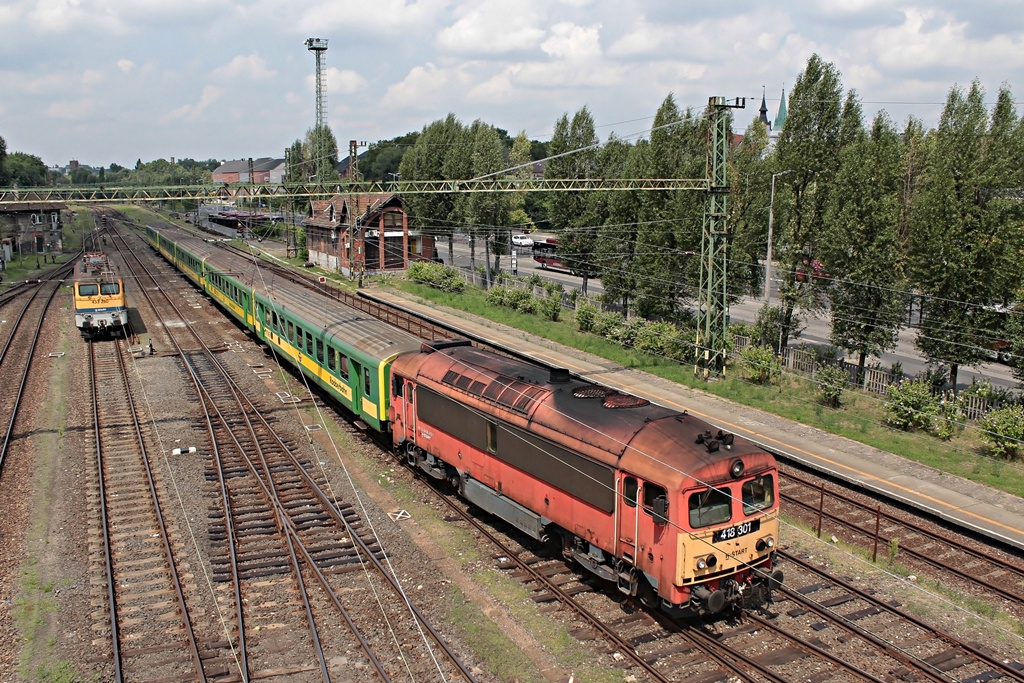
(110, 288)
(711, 506)
(88, 290)
(758, 494)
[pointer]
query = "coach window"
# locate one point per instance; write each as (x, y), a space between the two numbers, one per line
(309, 343)
(331, 359)
(366, 381)
(711, 506)
(319, 352)
(655, 502)
(273, 318)
(758, 494)
(629, 491)
(344, 367)
(291, 331)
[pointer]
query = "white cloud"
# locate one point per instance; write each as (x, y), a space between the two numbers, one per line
(251, 67)
(125, 65)
(491, 28)
(381, 17)
(93, 77)
(71, 110)
(190, 112)
(425, 87)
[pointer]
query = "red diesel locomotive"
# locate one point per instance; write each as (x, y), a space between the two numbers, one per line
(643, 496)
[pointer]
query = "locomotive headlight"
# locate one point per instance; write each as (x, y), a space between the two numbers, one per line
(707, 562)
(736, 468)
(764, 544)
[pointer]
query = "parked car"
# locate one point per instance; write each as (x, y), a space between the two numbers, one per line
(522, 241)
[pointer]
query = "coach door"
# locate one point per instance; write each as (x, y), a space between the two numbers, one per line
(628, 517)
(409, 408)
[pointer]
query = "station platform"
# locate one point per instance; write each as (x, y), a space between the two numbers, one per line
(986, 511)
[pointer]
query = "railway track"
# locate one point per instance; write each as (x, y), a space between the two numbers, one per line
(901, 536)
(150, 631)
(24, 320)
(276, 533)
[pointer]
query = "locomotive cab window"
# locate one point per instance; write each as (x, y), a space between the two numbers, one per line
(629, 491)
(758, 494)
(397, 383)
(88, 290)
(711, 506)
(110, 288)
(656, 502)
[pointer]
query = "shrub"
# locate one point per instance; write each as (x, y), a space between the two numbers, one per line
(658, 338)
(551, 305)
(438, 276)
(831, 380)
(1004, 431)
(496, 295)
(606, 323)
(762, 363)
(909, 404)
(586, 315)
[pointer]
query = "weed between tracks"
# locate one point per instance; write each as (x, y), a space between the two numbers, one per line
(36, 610)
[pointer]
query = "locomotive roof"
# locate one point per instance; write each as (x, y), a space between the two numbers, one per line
(352, 327)
(619, 429)
(94, 266)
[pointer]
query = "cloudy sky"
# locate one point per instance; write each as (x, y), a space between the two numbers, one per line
(106, 81)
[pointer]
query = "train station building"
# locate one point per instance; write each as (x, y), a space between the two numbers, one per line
(354, 234)
(31, 227)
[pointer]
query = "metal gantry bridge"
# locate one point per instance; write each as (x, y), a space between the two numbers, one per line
(712, 303)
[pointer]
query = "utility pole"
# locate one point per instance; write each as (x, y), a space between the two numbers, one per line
(713, 307)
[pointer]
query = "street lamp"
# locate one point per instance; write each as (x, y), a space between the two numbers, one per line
(768, 259)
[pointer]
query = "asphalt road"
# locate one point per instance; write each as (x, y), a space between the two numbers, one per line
(816, 332)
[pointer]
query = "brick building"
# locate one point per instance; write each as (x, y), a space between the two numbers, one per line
(364, 234)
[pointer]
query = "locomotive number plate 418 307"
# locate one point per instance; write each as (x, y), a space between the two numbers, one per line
(736, 531)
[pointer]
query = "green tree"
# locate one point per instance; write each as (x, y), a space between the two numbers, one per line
(26, 170)
(384, 158)
(574, 148)
(426, 161)
(862, 247)
(4, 177)
(488, 213)
(960, 229)
(670, 223)
(808, 149)
(750, 170)
(617, 243)
(320, 148)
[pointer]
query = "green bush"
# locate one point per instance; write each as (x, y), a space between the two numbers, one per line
(909, 405)
(831, 380)
(586, 315)
(606, 324)
(1004, 431)
(437, 276)
(551, 305)
(762, 363)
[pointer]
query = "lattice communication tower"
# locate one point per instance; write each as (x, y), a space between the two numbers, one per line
(318, 46)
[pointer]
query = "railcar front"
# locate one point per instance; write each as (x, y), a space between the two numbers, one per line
(99, 298)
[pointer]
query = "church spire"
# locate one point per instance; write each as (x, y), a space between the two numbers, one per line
(780, 118)
(764, 111)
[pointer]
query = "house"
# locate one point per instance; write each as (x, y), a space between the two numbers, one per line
(31, 227)
(357, 234)
(263, 171)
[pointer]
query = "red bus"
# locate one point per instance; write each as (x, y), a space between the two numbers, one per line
(545, 253)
